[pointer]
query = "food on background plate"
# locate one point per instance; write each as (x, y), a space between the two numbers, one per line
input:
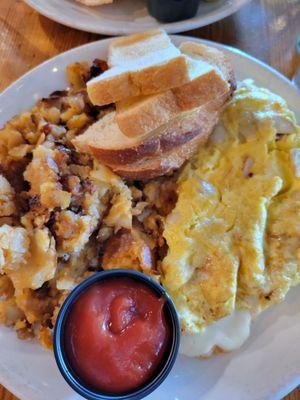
(94, 3)
(163, 11)
(221, 232)
(172, 10)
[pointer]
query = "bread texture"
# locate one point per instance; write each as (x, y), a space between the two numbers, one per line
(211, 55)
(162, 164)
(107, 142)
(130, 48)
(212, 78)
(157, 154)
(160, 122)
(145, 69)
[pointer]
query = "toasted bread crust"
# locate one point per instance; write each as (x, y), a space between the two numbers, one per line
(136, 38)
(177, 132)
(164, 164)
(131, 39)
(152, 147)
(167, 161)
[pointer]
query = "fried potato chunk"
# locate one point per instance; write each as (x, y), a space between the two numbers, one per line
(28, 258)
(43, 175)
(10, 313)
(73, 231)
(14, 247)
(120, 214)
(129, 250)
(7, 198)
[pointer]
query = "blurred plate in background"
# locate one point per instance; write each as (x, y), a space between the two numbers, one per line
(128, 16)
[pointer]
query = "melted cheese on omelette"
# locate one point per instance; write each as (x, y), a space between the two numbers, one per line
(227, 334)
(234, 234)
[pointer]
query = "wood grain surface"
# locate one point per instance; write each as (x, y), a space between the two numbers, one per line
(266, 29)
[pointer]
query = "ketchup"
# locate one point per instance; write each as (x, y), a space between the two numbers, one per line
(116, 335)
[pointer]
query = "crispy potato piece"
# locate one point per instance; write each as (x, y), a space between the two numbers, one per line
(7, 198)
(42, 174)
(28, 258)
(129, 250)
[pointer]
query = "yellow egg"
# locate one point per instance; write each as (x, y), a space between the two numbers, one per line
(234, 234)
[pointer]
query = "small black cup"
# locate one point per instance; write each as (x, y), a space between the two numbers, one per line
(163, 369)
(172, 10)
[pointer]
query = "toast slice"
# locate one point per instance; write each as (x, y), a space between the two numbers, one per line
(142, 64)
(211, 55)
(160, 165)
(107, 142)
(130, 48)
(213, 77)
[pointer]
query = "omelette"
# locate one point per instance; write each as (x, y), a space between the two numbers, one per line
(234, 235)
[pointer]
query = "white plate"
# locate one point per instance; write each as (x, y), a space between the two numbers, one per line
(266, 367)
(128, 16)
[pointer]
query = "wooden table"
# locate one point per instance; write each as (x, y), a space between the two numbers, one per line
(267, 29)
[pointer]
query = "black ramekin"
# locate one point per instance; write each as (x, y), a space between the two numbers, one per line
(163, 369)
(172, 10)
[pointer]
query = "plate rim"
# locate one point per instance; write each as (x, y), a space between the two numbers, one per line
(173, 27)
(287, 386)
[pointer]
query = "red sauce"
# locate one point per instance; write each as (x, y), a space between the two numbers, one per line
(116, 335)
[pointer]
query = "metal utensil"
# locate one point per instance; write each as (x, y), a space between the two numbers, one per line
(296, 76)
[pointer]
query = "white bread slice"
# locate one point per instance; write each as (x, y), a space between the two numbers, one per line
(211, 55)
(106, 133)
(138, 116)
(153, 167)
(213, 77)
(107, 142)
(146, 69)
(131, 48)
